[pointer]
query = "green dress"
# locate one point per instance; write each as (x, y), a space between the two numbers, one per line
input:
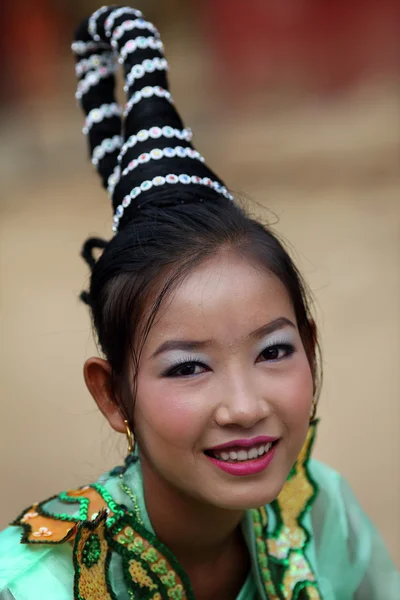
(97, 543)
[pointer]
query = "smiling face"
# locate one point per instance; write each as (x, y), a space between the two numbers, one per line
(223, 364)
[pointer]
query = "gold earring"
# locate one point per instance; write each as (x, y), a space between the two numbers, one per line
(130, 437)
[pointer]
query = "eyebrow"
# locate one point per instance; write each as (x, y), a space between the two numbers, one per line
(271, 327)
(192, 345)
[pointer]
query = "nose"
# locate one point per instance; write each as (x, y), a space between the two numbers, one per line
(242, 405)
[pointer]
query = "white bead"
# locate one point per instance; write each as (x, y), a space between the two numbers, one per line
(92, 24)
(106, 146)
(129, 25)
(115, 14)
(140, 42)
(96, 115)
(147, 66)
(155, 133)
(79, 48)
(135, 192)
(146, 92)
(146, 185)
(171, 179)
(169, 152)
(156, 154)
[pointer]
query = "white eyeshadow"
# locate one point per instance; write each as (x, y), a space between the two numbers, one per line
(175, 357)
(287, 336)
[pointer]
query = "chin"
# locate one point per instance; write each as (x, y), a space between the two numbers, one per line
(256, 495)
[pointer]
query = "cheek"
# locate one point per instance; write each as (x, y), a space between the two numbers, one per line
(294, 398)
(169, 415)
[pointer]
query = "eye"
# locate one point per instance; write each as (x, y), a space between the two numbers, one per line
(276, 352)
(186, 369)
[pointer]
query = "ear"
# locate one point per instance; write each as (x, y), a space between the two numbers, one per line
(97, 373)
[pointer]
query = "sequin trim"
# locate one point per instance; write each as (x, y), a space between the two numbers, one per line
(92, 24)
(138, 43)
(146, 92)
(113, 180)
(42, 525)
(96, 115)
(259, 525)
(149, 567)
(287, 545)
(147, 66)
(80, 48)
(151, 572)
(170, 179)
(155, 133)
(148, 562)
(107, 146)
(116, 509)
(91, 578)
(127, 490)
(157, 154)
(116, 14)
(93, 78)
(91, 551)
(130, 25)
(93, 62)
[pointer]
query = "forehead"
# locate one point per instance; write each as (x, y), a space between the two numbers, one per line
(224, 298)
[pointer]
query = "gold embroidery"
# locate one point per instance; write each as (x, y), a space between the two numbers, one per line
(40, 526)
(285, 548)
(103, 528)
(289, 543)
(90, 579)
(148, 557)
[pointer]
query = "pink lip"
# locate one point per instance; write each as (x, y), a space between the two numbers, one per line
(246, 443)
(250, 467)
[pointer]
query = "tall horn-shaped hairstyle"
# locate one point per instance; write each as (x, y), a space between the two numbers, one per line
(143, 151)
(171, 212)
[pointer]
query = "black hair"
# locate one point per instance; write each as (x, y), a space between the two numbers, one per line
(162, 231)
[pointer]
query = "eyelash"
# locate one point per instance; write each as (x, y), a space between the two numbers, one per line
(190, 360)
(172, 372)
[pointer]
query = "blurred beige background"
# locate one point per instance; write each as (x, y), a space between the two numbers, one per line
(326, 166)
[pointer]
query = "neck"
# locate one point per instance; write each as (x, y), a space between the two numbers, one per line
(194, 531)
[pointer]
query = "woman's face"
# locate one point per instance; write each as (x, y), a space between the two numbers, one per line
(224, 365)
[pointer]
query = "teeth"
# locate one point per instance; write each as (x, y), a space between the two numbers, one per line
(253, 453)
(242, 455)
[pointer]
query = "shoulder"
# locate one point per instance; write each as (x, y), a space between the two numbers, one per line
(333, 492)
(348, 547)
(326, 479)
(335, 504)
(36, 551)
(34, 572)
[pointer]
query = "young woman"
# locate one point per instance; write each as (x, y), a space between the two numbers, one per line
(210, 369)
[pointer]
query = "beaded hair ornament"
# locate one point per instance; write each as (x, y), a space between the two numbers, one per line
(143, 149)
